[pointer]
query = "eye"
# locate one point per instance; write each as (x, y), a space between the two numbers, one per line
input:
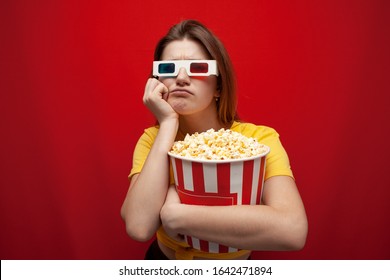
(199, 67)
(166, 68)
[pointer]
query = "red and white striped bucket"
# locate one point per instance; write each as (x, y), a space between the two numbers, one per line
(218, 183)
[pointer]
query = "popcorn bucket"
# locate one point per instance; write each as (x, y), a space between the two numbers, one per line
(218, 183)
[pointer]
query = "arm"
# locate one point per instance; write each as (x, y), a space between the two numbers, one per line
(279, 224)
(147, 191)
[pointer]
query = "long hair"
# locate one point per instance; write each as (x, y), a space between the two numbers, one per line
(226, 81)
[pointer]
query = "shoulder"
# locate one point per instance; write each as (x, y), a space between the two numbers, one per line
(278, 163)
(259, 132)
(152, 129)
(148, 136)
(150, 132)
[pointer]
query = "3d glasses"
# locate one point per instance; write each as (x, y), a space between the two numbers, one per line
(170, 68)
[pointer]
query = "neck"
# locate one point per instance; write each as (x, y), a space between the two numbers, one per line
(192, 124)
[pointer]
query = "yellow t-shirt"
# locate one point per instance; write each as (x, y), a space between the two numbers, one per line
(277, 163)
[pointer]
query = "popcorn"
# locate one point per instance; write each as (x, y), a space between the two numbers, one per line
(223, 144)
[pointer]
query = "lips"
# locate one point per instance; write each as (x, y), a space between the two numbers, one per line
(180, 92)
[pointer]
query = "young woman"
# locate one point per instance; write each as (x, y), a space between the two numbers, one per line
(184, 103)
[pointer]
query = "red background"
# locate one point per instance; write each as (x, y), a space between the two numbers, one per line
(72, 79)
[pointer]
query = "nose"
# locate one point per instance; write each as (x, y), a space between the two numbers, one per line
(182, 77)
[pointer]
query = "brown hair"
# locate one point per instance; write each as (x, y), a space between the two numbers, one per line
(226, 81)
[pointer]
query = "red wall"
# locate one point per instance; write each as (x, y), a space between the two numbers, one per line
(72, 79)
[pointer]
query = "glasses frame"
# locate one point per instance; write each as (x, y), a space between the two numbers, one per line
(212, 67)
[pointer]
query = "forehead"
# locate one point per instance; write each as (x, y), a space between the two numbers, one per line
(185, 49)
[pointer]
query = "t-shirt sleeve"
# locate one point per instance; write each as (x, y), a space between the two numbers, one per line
(277, 161)
(141, 150)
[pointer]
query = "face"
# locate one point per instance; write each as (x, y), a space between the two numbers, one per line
(189, 95)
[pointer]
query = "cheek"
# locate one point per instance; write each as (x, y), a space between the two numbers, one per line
(207, 83)
(166, 81)
(205, 79)
(199, 78)
(206, 95)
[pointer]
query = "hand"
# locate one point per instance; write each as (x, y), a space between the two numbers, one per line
(155, 98)
(169, 214)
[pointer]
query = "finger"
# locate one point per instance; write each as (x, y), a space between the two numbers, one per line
(165, 92)
(150, 89)
(151, 84)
